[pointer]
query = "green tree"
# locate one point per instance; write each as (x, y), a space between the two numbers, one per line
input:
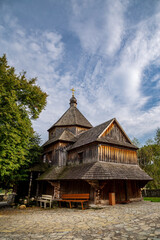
(149, 160)
(157, 137)
(136, 142)
(20, 101)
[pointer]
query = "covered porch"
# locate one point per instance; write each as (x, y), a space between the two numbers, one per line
(98, 179)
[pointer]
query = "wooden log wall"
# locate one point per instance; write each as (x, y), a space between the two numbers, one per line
(62, 156)
(53, 155)
(46, 188)
(85, 154)
(57, 130)
(124, 190)
(76, 186)
(115, 154)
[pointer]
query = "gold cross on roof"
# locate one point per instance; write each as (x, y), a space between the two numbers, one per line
(73, 91)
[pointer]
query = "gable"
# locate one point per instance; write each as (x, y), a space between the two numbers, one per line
(115, 132)
(91, 135)
(108, 132)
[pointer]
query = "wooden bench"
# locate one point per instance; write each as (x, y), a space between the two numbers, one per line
(45, 199)
(84, 197)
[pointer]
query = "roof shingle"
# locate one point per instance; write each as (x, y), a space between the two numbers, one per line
(72, 117)
(64, 136)
(91, 135)
(96, 171)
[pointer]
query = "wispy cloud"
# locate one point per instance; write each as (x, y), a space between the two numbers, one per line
(117, 83)
(40, 54)
(116, 43)
(99, 25)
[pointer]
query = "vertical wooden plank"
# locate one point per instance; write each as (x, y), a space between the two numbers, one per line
(108, 153)
(122, 155)
(101, 153)
(98, 153)
(126, 190)
(111, 153)
(127, 156)
(116, 157)
(114, 154)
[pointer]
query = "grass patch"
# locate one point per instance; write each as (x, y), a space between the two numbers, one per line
(152, 199)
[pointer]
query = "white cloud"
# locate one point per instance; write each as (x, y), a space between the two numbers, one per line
(109, 78)
(116, 88)
(40, 55)
(156, 78)
(99, 27)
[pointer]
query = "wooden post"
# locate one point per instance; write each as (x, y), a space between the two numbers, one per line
(30, 185)
(112, 199)
(98, 196)
(98, 186)
(37, 189)
(57, 188)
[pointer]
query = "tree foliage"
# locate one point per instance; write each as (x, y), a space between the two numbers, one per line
(149, 160)
(20, 101)
(136, 142)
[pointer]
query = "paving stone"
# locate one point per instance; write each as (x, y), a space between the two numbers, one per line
(132, 221)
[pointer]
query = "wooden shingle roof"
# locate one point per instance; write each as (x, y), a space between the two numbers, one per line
(72, 117)
(66, 136)
(91, 135)
(94, 135)
(96, 171)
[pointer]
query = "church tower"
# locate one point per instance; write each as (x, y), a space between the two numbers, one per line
(64, 132)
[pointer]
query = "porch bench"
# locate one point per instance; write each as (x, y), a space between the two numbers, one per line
(82, 198)
(45, 199)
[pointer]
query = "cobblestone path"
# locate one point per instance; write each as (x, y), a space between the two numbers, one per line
(131, 221)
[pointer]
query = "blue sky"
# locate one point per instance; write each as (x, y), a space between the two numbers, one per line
(109, 51)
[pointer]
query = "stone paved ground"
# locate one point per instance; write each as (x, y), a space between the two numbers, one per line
(139, 220)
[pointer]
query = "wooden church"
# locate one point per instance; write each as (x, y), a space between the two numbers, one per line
(85, 159)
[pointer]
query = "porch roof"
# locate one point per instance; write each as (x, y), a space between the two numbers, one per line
(96, 171)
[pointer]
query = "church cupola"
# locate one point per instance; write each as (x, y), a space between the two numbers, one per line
(72, 118)
(73, 100)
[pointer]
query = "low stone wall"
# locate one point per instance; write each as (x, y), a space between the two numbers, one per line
(151, 193)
